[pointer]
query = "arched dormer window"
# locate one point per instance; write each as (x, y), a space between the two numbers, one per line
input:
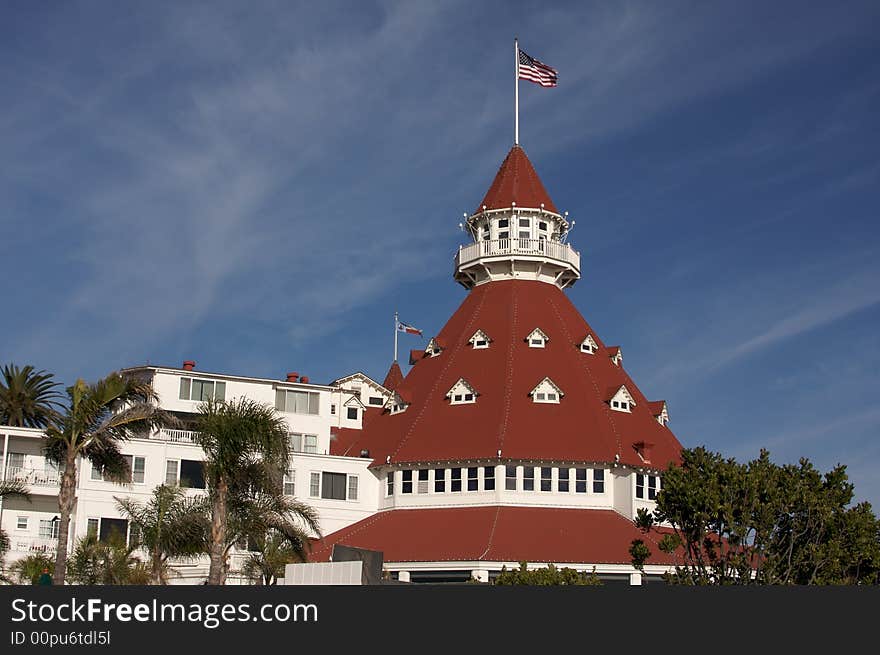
(537, 338)
(546, 392)
(479, 340)
(462, 393)
(588, 345)
(659, 411)
(620, 399)
(433, 348)
(616, 355)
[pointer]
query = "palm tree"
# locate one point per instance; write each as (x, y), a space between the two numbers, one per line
(169, 525)
(10, 489)
(28, 398)
(98, 418)
(272, 552)
(246, 452)
(29, 569)
(95, 562)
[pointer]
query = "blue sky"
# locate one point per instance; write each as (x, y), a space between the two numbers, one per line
(258, 186)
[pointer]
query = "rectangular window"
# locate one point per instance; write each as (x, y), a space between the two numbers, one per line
(113, 530)
(652, 487)
(546, 478)
(524, 222)
(136, 466)
(407, 486)
(580, 481)
(423, 481)
(503, 223)
(201, 390)
(49, 529)
(134, 535)
(297, 402)
(333, 486)
(455, 485)
(310, 443)
(333, 410)
(529, 478)
(439, 481)
(97, 473)
(489, 478)
(563, 482)
(376, 401)
(289, 482)
(542, 225)
(510, 478)
(504, 235)
(21, 523)
(473, 479)
(352, 413)
(192, 474)
(524, 235)
(640, 485)
(171, 472)
(389, 484)
(315, 485)
(598, 481)
(352, 487)
(92, 528)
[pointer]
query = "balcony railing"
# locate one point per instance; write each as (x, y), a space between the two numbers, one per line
(34, 545)
(38, 477)
(531, 247)
(175, 436)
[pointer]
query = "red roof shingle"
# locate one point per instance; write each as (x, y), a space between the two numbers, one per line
(517, 182)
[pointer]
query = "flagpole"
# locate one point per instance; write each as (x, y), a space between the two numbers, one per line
(516, 91)
(396, 325)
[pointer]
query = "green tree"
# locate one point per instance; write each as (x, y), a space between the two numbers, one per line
(246, 453)
(28, 398)
(168, 526)
(271, 552)
(760, 523)
(97, 419)
(29, 569)
(546, 576)
(9, 489)
(95, 562)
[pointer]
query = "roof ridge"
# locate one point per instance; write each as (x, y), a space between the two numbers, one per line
(491, 533)
(510, 359)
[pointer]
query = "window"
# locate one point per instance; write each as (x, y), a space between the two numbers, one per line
(97, 473)
(333, 486)
(188, 473)
(563, 482)
(289, 482)
(502, 223)
(524, 234)
(49, 529)
(546, 392)
(652, 487)
(481, 343)
(333, 410)
(352, 487)
(171, 472)
(201, 390)
(537, 339)
(92, 527)
(588, 345)
(473, 479)
(389, 484)
(461, 393)
(113, 530)
(352, 413)
(640, 485)
(134, 535)
(407, 485)
(136, 467)
(480, 340)
(620, 399)
(489, 478)
(439, 480)
(485, 234)
(21, 523)
(423, 481)
(546, 479)
(455, 485)
(504, 235)
(303, 443)
(525, 222)
(297, 402)
(542, 225)
(529, 478)
(510, 478)
(580, 481)
(14, 463)
(598, 481)
(315, 485)
(375, 400)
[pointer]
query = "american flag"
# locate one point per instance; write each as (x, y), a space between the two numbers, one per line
(534, 71)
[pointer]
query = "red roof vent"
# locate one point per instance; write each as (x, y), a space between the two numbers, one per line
(304, 379)
(189, 365)
(643, 448)
(292, 377)
(517, 185)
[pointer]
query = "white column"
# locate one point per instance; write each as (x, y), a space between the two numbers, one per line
(635, 579)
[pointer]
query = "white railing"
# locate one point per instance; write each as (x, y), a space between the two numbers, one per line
(175, 436)
(34, 476)
(34, 545)
(534, 247)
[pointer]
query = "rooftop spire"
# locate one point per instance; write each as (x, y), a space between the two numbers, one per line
(517, 183)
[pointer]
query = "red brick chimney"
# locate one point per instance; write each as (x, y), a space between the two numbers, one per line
(189, 365)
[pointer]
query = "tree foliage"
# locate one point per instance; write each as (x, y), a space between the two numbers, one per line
(28, 569)
(762, 523)
(271, 552)
(546, 576)
(28, 398)
(95, 562)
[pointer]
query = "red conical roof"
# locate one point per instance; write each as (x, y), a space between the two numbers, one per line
(581, 428)
(394, 378)
(517, 182)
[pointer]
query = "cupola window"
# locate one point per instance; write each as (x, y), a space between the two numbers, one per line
(461, 393)
(546, 392)
(479, 340)
(537, 339)
(620, 399)
(588, 345)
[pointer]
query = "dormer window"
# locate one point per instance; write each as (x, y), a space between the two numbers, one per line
(537, 338)
(620, 399)
(546, 392)
(461, 393)
(479, 340)
(616, 355)
(434, 348)
(659, 411)
(588, 345)
(396, 404)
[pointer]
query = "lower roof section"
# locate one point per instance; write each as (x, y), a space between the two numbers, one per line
(495, 533)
